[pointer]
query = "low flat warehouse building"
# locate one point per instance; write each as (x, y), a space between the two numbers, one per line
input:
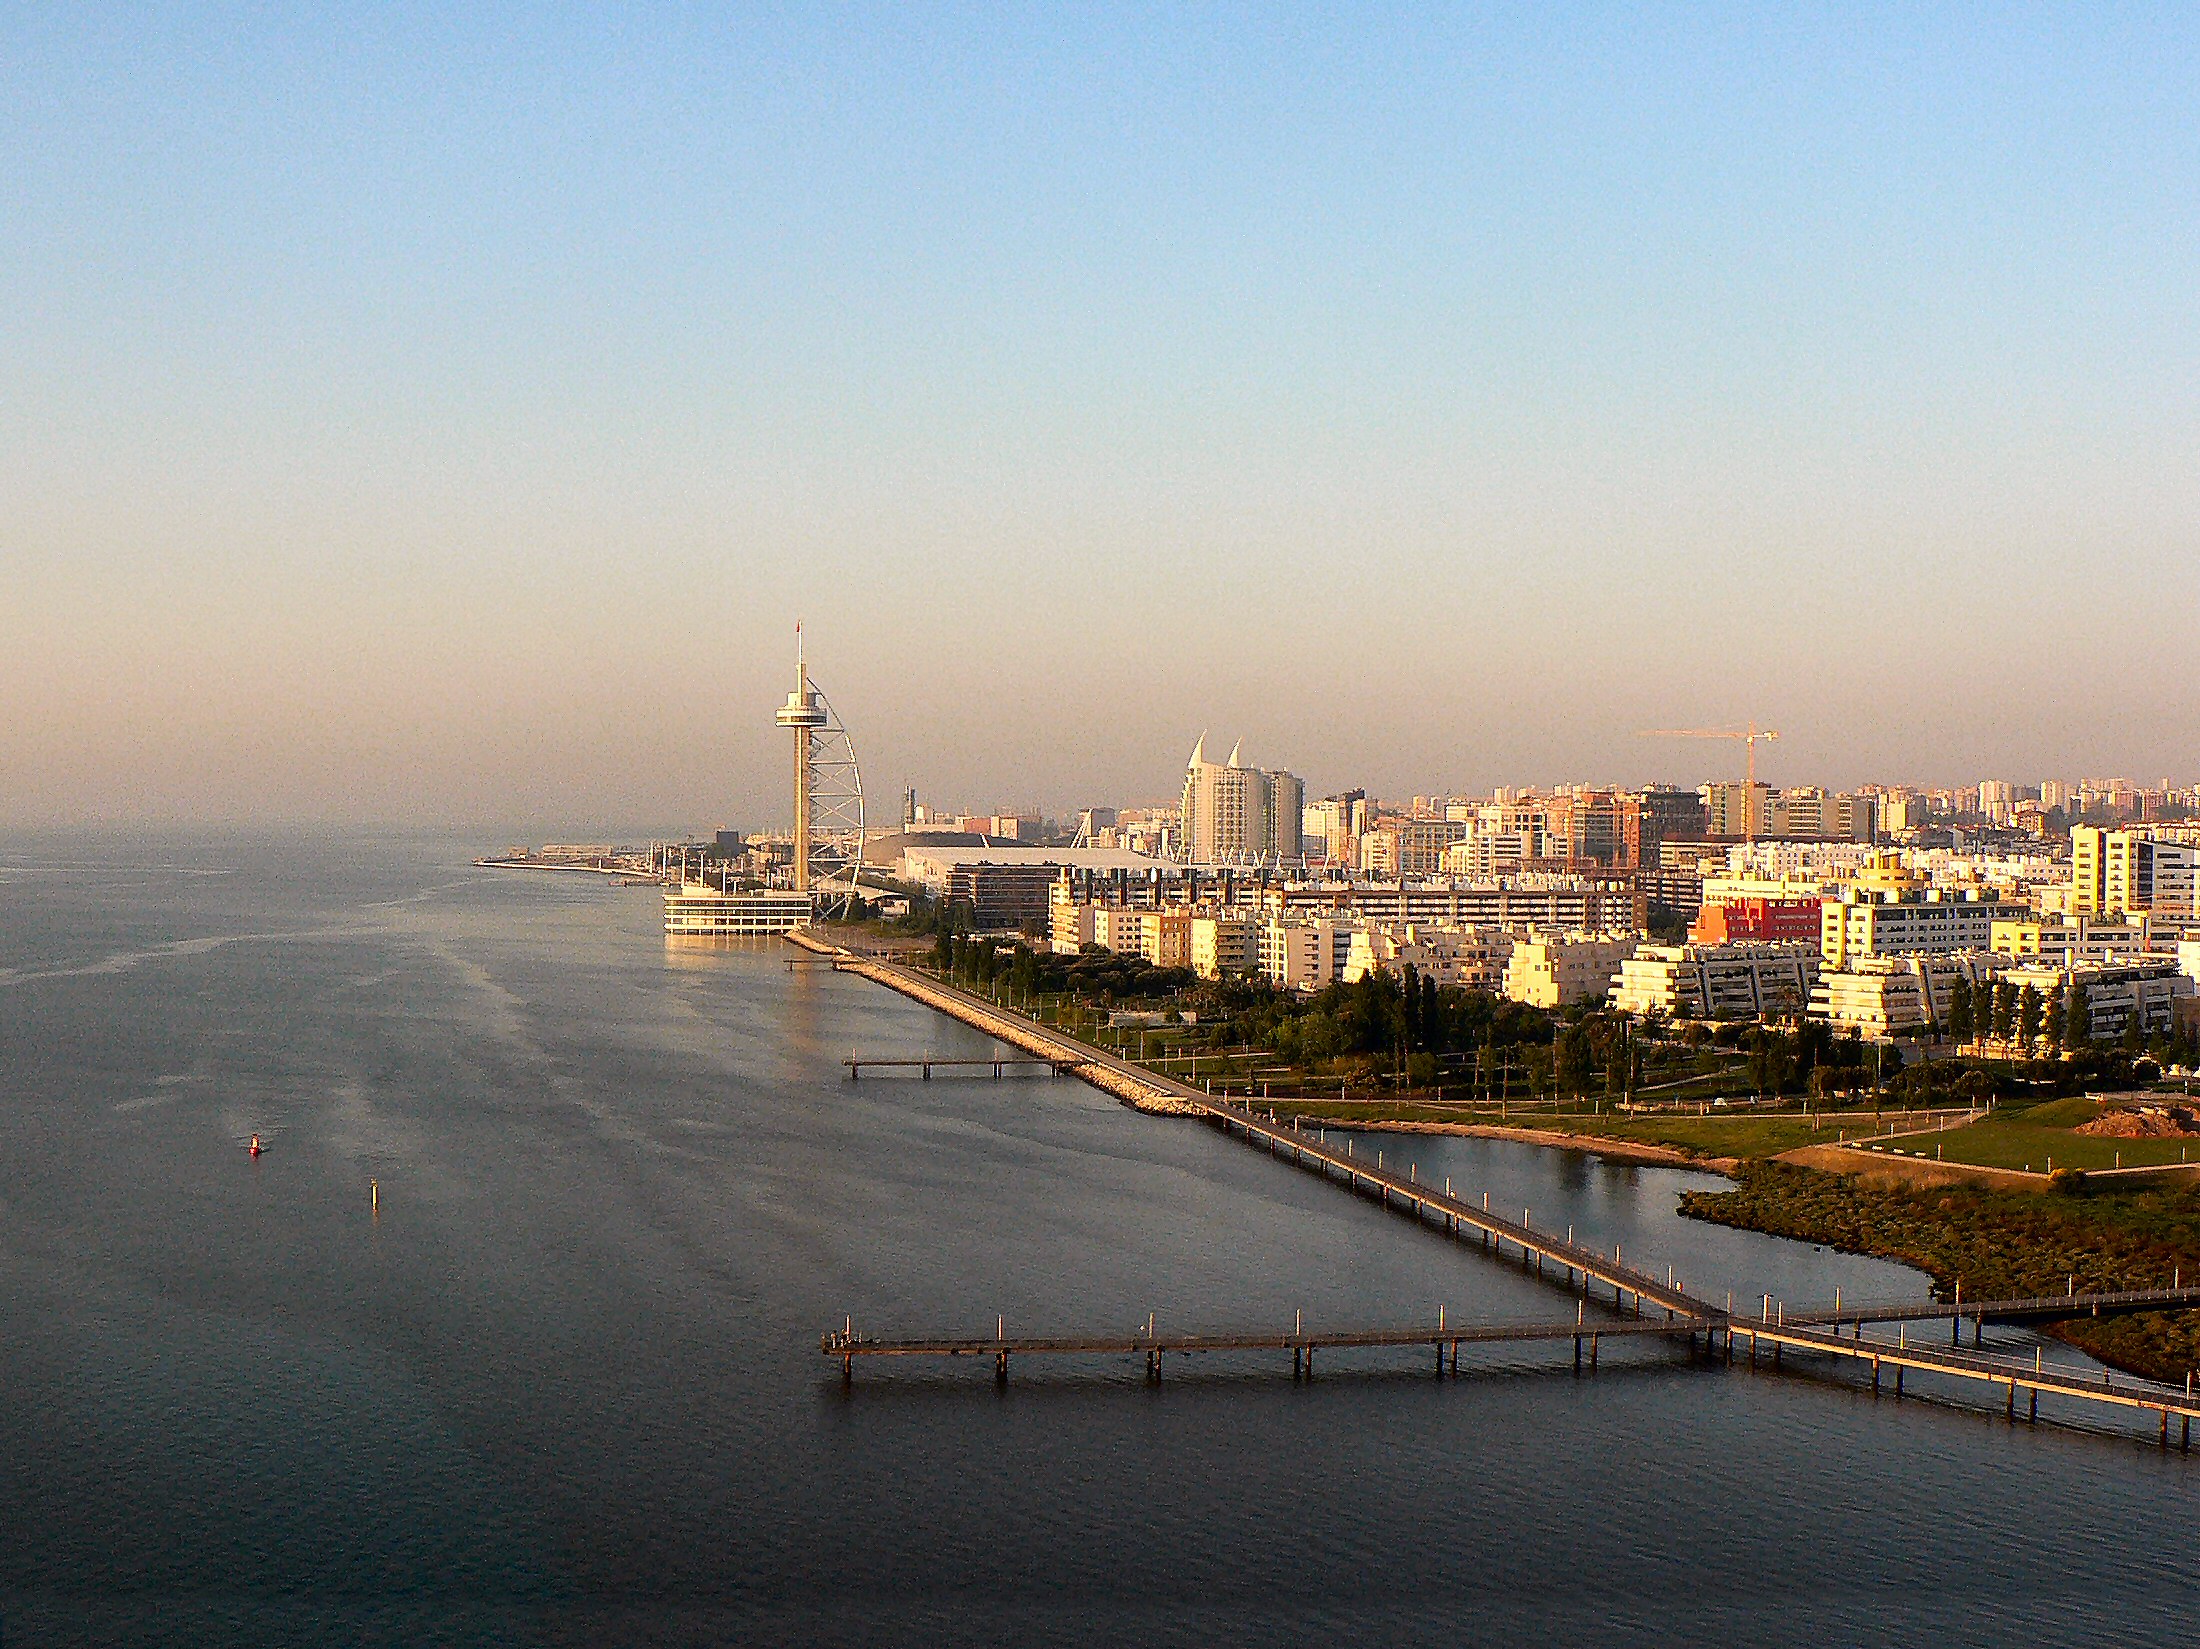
(698, 910)
(1746, 981)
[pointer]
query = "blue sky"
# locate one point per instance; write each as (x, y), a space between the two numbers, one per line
(443, 414)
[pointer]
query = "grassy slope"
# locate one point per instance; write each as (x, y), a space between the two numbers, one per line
(2029, 1138)
(1998, 1244)
(1715, 1136)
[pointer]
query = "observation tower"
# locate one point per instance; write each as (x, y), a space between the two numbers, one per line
(828, 796)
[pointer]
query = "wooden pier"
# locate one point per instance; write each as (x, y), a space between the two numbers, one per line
(1978, 1313)
(1443, 1340)
(1573, 1265)
(999, 1062)
(2012, 1374)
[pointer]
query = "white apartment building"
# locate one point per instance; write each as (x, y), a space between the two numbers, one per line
(1820, 862)
(1557, 970)
(1738, 981)
(1887, 911)
(1883, 996)
(1491, 853)
(1234, 814)
(1561, 903)
(1071, 926)
(1162, 936)
(1778, 890)
(2117, 992)
(1420, 844)
(2132, 870)
(1306, 956)
(1469, 958)
(1329, 829)
(1224, 947)
(2080, 938)
(1120, 928)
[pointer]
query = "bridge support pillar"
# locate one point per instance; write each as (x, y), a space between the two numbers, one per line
(1875, 1376)
(2012, 1411)
(1592, 1351)
(1898, 1372)
(2035, 1415)
(1298, 1358)
(1577, 1354)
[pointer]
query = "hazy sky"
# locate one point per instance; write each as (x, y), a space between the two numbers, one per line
(443, 414)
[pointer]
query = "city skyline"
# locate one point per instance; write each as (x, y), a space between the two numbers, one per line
(438, 420)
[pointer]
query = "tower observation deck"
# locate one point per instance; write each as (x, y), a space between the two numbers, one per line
(828, 795)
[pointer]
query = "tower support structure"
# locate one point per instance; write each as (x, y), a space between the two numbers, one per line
(828, 794)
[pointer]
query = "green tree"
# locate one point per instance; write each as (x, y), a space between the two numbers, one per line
(1961, 1026)
(1771, 1066)
(2004, 1020)
(2030, 1005)
(1573, 1059)
(2078, 1017)
(2058, 1016)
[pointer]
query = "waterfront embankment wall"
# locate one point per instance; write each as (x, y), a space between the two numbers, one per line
(1142, 1090)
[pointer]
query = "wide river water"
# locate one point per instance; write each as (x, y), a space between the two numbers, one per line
(564, 1386)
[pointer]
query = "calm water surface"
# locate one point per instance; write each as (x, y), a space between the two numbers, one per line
(564, 1387)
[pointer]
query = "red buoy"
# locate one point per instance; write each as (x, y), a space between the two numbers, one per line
(256, 1146)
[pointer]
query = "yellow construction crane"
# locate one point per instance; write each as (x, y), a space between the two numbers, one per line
(1748, 735)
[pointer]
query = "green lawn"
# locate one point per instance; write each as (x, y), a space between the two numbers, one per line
(2033, 1137)
(2023, 1143)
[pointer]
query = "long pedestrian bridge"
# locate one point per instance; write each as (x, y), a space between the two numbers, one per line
(1635, 1300)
